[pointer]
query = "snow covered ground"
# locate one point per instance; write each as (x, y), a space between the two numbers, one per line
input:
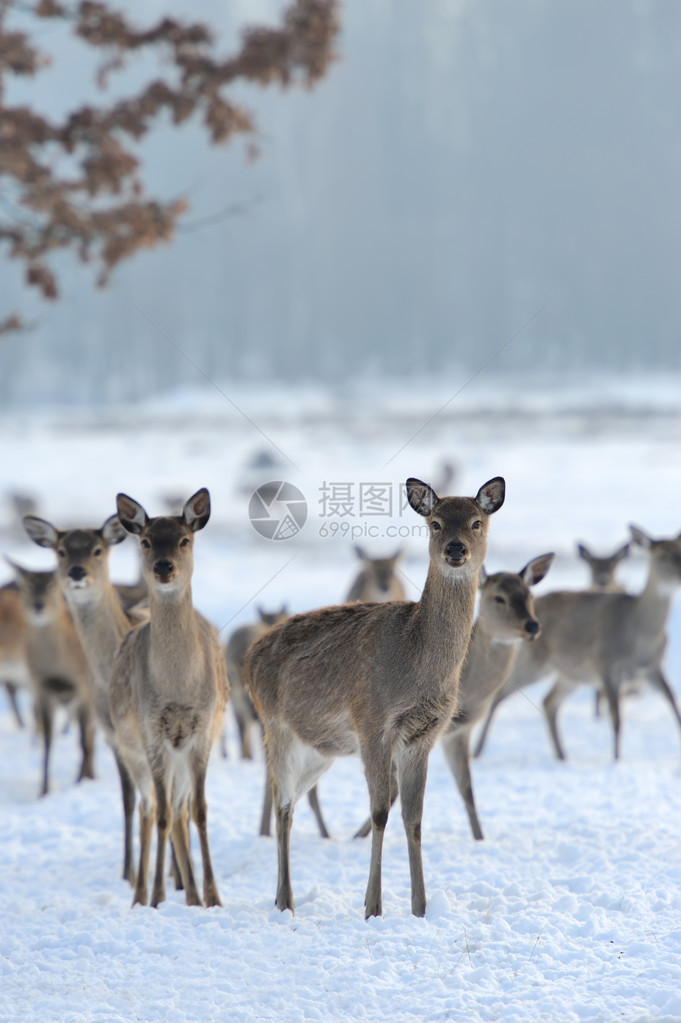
(571, 907)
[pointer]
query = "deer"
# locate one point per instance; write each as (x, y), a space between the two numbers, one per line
(58, 669)
(603, 568)
(376, 581)
(101, 623)
(235, 652)
(168, 693)
(601, 638)
(14, 671)
(380, 680)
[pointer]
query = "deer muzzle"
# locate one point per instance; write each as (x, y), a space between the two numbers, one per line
(456, 554)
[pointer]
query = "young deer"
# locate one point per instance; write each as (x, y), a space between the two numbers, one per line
(58, 669)
(13, 664)
(506, 618)
(168, 693)
(376, 581)
(380, 680)
(603, 568)
(603, 639)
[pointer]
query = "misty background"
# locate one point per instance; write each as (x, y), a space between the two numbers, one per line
(461, 167)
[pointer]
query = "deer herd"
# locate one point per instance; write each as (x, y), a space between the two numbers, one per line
(378, 676)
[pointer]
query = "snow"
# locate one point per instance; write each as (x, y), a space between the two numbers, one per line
(569, 910)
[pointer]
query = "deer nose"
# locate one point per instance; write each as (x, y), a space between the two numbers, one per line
(455, 551)
(76, 573)
(38, 606)
(163, 568)
(532, 628)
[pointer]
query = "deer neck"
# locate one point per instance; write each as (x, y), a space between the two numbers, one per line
(488, 646)
(173, 629)
(101, 626)
(444, 615)
(654, 602)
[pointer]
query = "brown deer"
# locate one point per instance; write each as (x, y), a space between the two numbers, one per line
(101, 624)
(168, 693)
(58, 668)
(380, 680)
(376, 581)
(602, 639)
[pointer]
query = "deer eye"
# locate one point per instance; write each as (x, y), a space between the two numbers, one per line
(500, 600)
(436, 525)
(184, 542)
(61, 553)
(477, 524)
(97, 552)
(145, 544)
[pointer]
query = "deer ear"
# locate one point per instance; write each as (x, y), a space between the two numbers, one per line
(422, 498)
(40, 531)
(583, 552)
(640, 537)
(622, 552)
(536, 569)
(361, 554)
(397, 555)
(132, 515)
(113, 531)
(482, 577)
(196, 511)
(490, 496)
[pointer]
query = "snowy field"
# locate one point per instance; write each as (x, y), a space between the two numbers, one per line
(570, 910)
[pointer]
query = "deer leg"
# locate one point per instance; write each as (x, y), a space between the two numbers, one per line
(175, 871)
(658, 680)
(180, 833)
(366, 827)
(14, 703)
(87, 743)
(284, 819)
(552, 702)
(128, 796)
(211, 894)
(313, 800)
(378, 779)
(266, 815)
(412, 771)
(163, 824)
(146, 829)
(482, 737)
(45, 711)
(456, 748)
(612, 695)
